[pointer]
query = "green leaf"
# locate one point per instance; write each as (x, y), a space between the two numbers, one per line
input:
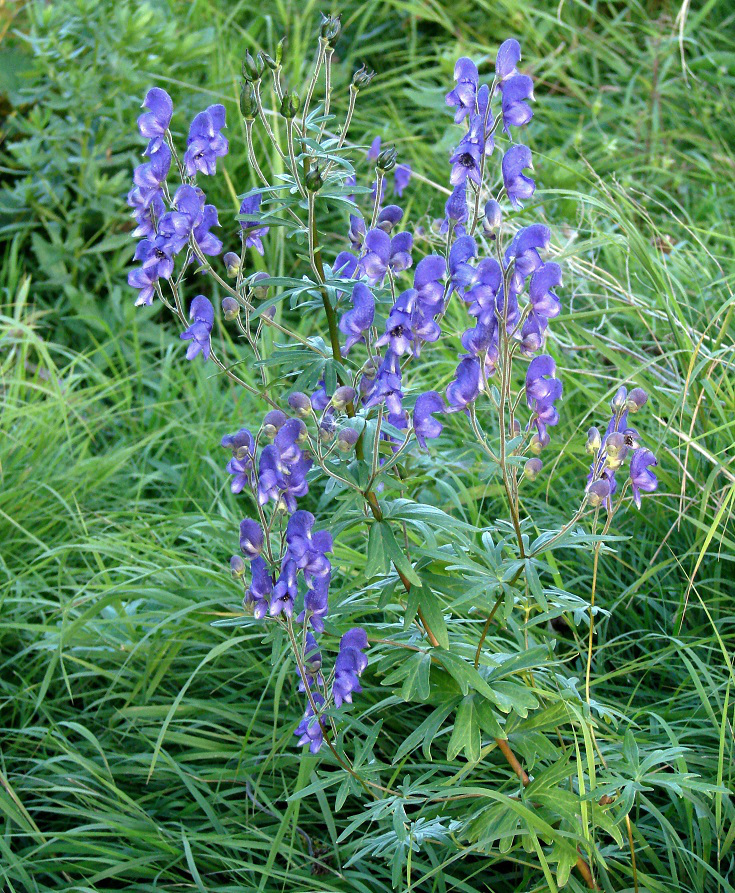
(466, 732)
(396, 555)
(416, 684)
(431, 608)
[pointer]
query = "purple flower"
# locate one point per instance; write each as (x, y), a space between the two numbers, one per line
(205, 143)
(542, 390)
(349, 665)
(544, 301)
(398, 329)
(641, 478)
(524, 252)
(466, 385)
(465, 161)
(312, 664)
(518, 187)
(208, 243)
(152, 173)
(311, 728)
(252, 538)
(400, 252)
(285, 591)
(345, 265)
(154, 123)
(240, 465)
(148, 208)
(201, 312)
(356, 233)
(424, 424)
(252, 229)
(533, 334)
(509, 55)
(306, 550)
(461, 272)
(387, 386)
(260, 589)
(374, 262)
(456, 208)
(486, 283)
(283, 467)
(401, 179)
(389, 217)
(354, 323)
(144, 281)
(382, 252)
(157, 257)
(483, 340)
(427, 281)
(516, 111)
(464, 95)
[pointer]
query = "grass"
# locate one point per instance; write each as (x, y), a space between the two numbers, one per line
(143, 748)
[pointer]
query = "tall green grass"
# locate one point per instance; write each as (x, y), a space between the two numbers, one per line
(143, 748)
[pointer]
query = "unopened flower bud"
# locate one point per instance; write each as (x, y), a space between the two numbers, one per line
(386, 161)
(303, 432)
(538, 442)
(230, 308)
(342, 396)
(362, 77)
(594, 440)
(637, 399)
(516, 428)
(615, 449)
(313, 180)
(532, 468)
(280, 49)
(232, 263)
(251, 538)
(252, 69)
(300, 404)
(327, 429)
(269, 61)
(273, 422)
(237, 567)
(598, 492)
(330, 28)
(346, 440)
(493, 217)
(290, 104)
(259, 291)
(618, 401)
(248, 102)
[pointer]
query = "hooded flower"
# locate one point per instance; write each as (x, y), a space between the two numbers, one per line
(354, 323)
(252, 229)
(641, 478)
(424, 424)
(154, 123)
(466, 385)
(519, 187)
(260, 589)
(542, 390)
(456, 210)
(509, 55)
(151, 174)
(311, 728)
(464, 95)
(427, 281)
(201, 312)
(205, 143)
(240, 465)
(349, 665)
(516, 111)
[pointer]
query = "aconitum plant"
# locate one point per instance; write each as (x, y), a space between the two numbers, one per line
(454, 619)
